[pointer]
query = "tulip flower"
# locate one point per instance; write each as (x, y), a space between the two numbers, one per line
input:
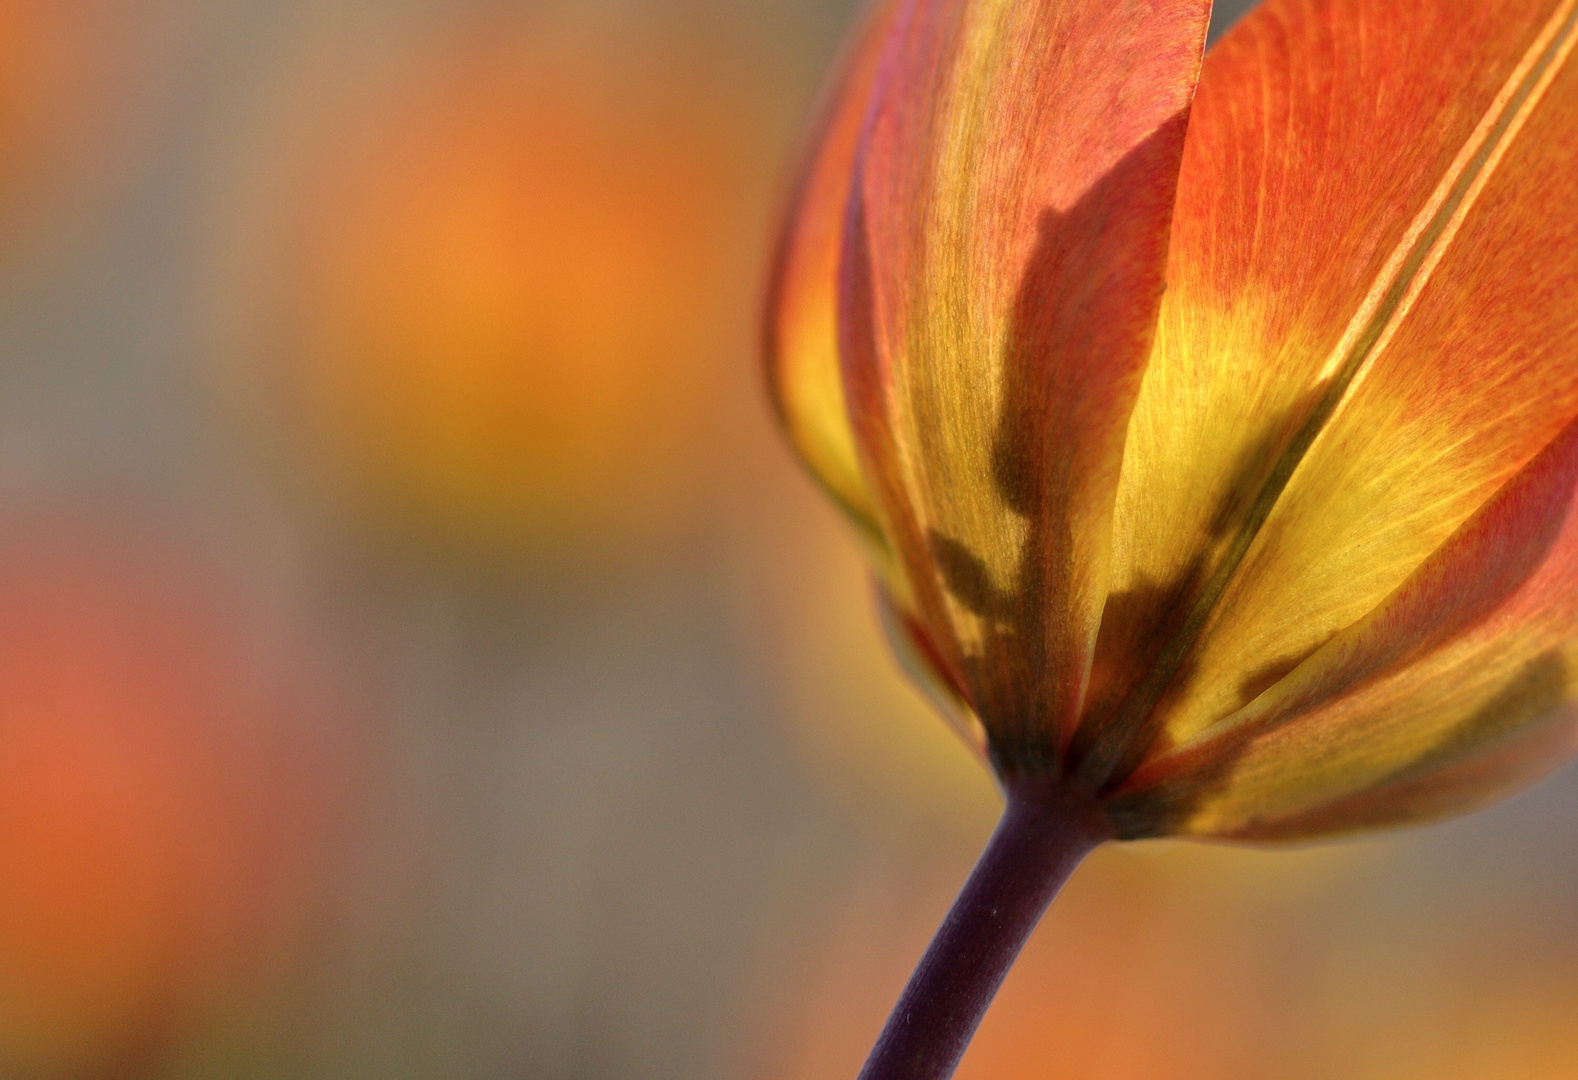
(1213, 426)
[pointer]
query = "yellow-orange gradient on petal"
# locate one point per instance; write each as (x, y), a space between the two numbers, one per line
(1397, 536)
(500, 303)
(1365, 335)
(1008, 232)
(162, 809)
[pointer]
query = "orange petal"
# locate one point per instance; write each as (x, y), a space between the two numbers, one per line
(801, 332)
(1458, 686)
(1001, 276)
(1370, 325)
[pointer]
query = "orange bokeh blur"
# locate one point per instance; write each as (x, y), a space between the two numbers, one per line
(1132, 978)
(1183, 962)
(69, 71)
(502, 303)
(157, 825)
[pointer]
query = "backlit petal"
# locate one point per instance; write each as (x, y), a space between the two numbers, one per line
(1458, 686)
(1371, 325)
(1001, 276)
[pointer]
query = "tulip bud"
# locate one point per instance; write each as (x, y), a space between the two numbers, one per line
(1217, 444)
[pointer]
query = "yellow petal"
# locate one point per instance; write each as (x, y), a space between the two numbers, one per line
(1014, 193)
(1456, 687)
(1371, 325)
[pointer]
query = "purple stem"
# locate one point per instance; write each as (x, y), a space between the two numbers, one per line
(1044, 834)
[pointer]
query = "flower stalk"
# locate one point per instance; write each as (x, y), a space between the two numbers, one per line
(1044, 834)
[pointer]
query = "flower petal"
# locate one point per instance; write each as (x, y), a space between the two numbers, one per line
(801, 331)
(1370, 326)
(1002, 271)
(1457, 686)
(1433, 789)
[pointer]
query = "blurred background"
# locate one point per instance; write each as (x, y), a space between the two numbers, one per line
(420, 658)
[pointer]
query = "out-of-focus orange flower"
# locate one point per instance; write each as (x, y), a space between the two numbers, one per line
(1281, 550)
(506, 291)
(162, 803)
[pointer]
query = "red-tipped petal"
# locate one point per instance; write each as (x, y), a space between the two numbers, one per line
(1002, 271)
(1370, 326)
